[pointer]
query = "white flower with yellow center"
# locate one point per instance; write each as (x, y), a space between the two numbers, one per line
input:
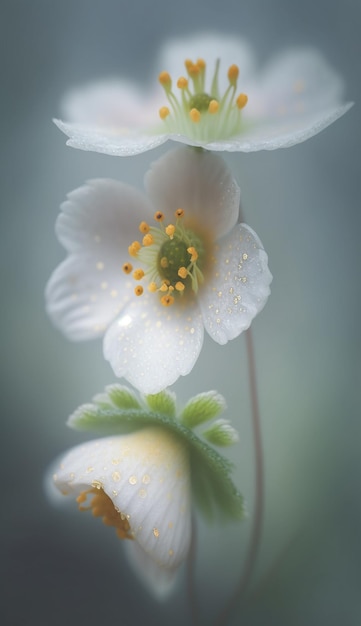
(213, 98)
(153, 275)
(140, 483)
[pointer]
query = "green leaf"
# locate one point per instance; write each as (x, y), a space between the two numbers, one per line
(163, 403)
(221, 433)
(122, 397)
(202, 408)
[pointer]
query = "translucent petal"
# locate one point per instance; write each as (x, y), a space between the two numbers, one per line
(147, 477)
(88, 290)
(109, 103)
(115, 141)
(160, 581)
(239, 286)
(198, 182)
(152, 345)
(279, 132)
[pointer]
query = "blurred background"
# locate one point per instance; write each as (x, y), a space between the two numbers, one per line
(61, 567)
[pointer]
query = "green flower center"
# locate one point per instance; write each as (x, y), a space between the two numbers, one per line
(204, 115)
(172, 257)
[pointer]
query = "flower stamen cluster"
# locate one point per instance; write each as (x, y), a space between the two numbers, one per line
(102, 506)
(173, 258)
(198, 112)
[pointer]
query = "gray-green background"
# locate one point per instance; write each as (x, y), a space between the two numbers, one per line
(62, 567)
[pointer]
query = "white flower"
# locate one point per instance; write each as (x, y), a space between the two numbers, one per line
(139, 484)
(294, 98)
(196, 267)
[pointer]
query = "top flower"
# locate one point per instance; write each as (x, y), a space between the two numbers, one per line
(295, 97)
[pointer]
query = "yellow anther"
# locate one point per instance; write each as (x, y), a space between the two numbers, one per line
(213, 106)
(170, 230)
(195, 115)
(201, 64)
(193, 70)
(170, 288)
(127, 268)
(159, 216)
(183, 272)
(138, 274)
(163, 112)
(180, 286)
(182, 83)
(167, 300)
(164, 262)
(144, 228)
(164, 287)
(152, 287)
(188, 63)
(179, 213)
(148, 239)
(134, 248)
(193, 252)
(138, 290)
(233, 73)
(242, 100)
(165, 79)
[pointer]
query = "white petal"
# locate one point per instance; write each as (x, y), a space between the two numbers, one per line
(280, 132)
(210, 47)
(152, 345)
(159, 581)
(115, 141)
(239, 286)
(198, 182)
(88, 290)
(109, 103)
(147, 477)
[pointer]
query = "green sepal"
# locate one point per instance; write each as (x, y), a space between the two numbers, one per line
(213, 489)
(202, 408)
(163, 402)
(221, 433)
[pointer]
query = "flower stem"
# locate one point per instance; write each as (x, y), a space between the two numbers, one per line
(256, 530)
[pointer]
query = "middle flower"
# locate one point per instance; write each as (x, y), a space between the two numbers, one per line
(153, 275)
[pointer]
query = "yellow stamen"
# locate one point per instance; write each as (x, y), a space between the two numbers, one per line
(138, 290)
(152, 287)
(170, 229)
(182, 82)
(159, 216)
(163, 112)
(144, 228)
(242, 100)
(167, 300)
(179, 213)
(180, 286)
(165, 79)
(148, 239)
(213, 106)
(201, 64)
(188, 63)
(134, 248)
(233, 73)
(138, 274)
(193, 252)
(183, 272)
(164, 262)
(163, 287)
(193, 70)
(195, 115)
(103, 507)
(127, 268)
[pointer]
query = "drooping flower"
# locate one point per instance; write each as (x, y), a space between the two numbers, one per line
(194, 267)
(141, 483)
(213, 98)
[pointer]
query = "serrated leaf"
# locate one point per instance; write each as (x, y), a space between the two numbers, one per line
(202, 408)
(163, 403)
(122, 397)
(221, 433)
